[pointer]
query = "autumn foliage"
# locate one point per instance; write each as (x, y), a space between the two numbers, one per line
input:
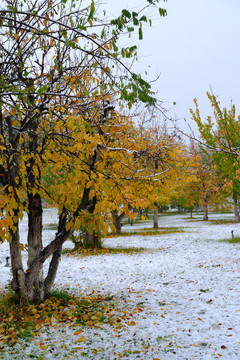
(63, 135)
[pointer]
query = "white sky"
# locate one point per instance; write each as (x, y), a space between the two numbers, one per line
(196, 46)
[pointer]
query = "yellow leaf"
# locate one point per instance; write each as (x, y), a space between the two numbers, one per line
(43, 347)
(77, 332)
(89, 323)
(68, 226)
(16, 35)
(132, 323)
(51, 42)
(21, 139)
(89, 184)
(21, 247)
(82, 339)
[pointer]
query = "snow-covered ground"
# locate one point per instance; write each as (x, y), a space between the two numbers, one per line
(186, 283)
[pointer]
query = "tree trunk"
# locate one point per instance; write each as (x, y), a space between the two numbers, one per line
(155, 217)
(52, 272)
(35, 244)
(130, 221)
(53, 267)
(235, 204)
(191, 213)
(91, 240)
(117, 221)
(18, 276)
(205, 212)
(53, 248)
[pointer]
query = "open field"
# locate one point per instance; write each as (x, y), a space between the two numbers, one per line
(177, 298)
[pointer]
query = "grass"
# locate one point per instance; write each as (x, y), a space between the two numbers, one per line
(234, 240)
(50, 227)
(103, 251)
(223, 221)
(148, 232)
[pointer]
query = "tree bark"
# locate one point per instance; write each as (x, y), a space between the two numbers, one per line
(235, 204)
(155, 217)
(91, 240)
(117, 221)
(53, 267)
(205, 217)
(18, 278)
(52, 271)
(35, 243)
(191, 213)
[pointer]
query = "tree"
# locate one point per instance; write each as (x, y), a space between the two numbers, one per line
(57, 74)
(208, 182)
(173, 165)
(220, 139)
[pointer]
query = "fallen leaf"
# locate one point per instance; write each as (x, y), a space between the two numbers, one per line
(82, 339)
(77, 332)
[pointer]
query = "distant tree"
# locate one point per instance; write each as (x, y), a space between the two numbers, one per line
(220, 137)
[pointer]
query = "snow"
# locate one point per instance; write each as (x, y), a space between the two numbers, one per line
(186, 283)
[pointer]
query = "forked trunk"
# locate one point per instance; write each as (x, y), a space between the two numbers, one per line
(235, 205)
(117, 221)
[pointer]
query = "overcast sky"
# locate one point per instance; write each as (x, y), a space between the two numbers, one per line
(196, 46)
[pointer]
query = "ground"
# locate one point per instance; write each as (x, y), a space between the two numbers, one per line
(176, 299)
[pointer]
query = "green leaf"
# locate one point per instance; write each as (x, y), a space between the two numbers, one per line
(162, 12)
(126, 13)
(140, 33)
(135, 21)
(143, 18)
(103, 33)
(43, 89)
(92, 10)
(81, 27)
